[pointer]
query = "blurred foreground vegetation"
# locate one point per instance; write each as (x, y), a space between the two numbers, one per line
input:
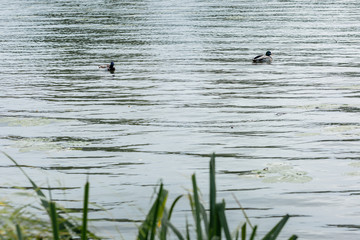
(208, 223)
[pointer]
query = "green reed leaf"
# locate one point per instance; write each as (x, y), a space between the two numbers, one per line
(274, 232)
(54, 221)
(85, 211)
(253, 234)
(243, 232)
(221, 212)
(19, 232)
(197, 209)
(148, 227)
(173, 205)
(213, 215)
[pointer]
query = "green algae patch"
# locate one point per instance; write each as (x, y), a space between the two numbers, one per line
(351, 129)
(355, 173)
(282, 172)
(339, 130)
(37, 144)
(25, 122)
(355, 164)
(46, 144)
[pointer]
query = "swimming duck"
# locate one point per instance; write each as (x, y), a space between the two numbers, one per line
(263, 58)
(110, 67)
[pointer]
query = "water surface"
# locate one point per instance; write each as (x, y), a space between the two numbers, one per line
(286, 134)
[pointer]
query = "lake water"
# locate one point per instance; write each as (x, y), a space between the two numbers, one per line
(286, 134)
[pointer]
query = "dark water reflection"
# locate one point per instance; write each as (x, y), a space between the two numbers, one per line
(286, 134)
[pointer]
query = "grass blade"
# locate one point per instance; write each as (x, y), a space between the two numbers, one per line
(192, 206)
(173, 205)
(197, 209)
(166, 221)
(237, 234)
(253, 234)
(42, 196)
(277, 229)
(243, 211)
(187, 230)
(19, 232)
(175, 230)
(156, 215)
(164, 226)
(243, 232)
(223, 221)
(85, 212)
(293, 237)
(63, 223)
(148, 227)
(213, 215)
(54, 221)
(205, 219)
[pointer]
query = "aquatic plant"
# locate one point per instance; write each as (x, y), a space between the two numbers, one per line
(11, 218)
(210, 224)
(61, 227)
(215, 223)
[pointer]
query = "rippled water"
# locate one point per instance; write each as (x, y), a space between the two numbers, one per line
(286, 134)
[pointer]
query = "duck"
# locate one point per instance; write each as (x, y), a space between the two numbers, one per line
(263, 58)
(110, 67)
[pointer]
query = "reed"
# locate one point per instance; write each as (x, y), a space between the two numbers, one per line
(85, 211)
(61, 227)
(211, 224)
